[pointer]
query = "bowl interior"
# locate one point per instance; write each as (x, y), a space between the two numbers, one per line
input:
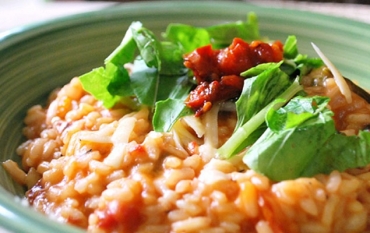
(38, 58)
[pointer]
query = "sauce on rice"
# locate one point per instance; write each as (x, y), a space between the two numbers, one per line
(107, 171)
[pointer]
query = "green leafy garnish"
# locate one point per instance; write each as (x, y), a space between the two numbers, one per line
(158, 78)
(296, 62)
(243, 134)
(102, 82)
(171, 110)
(301, 141)
(279, 132)
(158, 72)
(219, 36)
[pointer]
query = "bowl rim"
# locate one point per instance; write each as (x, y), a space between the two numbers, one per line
(11, 208)
(13, 35)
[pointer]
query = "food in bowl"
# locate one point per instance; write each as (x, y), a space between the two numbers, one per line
(209, 130)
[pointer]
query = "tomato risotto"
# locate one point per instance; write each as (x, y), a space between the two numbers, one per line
(114, 165)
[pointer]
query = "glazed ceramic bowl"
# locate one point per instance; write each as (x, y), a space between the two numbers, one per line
(38, 58)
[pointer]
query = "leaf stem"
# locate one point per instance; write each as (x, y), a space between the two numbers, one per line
(232, 144)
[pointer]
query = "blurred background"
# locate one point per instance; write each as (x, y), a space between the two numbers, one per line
(335, 1)
(318, 1)
(15, 13)
(322, 1)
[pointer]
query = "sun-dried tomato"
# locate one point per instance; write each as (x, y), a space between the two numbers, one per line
(217, 72)
(123, 216)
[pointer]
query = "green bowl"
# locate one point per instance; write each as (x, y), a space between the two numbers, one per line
(38, 58)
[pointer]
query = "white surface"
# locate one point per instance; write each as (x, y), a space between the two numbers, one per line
(14, 13)
(22, 12)
(351, 11)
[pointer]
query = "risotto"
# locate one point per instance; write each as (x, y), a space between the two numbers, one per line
(106, 169)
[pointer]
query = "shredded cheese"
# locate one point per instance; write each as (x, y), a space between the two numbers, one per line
(210, 121)
(339, 80)
(196, 124)
(120, 140)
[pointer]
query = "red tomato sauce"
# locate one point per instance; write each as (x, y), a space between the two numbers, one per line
(125, 216)
(217, 71)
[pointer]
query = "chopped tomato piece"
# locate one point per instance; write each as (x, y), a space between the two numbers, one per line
(122, 215)
(217, 72)
(236, 58)
(203, 62)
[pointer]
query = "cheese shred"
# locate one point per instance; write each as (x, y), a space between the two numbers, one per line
(339, 80)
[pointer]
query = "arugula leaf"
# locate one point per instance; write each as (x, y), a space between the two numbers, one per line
(260, 90)
(162, 75)
(219, 36)
(295, 112)
(254, 71)
(144, 82)
(188, 36)
(148, 46)
(302, 141)
(294, 61)
(340, 153)
(290, 48)
(242, 134)
(125, 52)
(168, 112)
(284, 151)
(223, 34)
(98, 83)
(112, 82)
(147, 83)
(170, 105)
(172, 62)
(119, 84)
(305, 64)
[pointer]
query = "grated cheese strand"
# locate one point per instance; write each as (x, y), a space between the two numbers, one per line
(339, 80)
(210, 121)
